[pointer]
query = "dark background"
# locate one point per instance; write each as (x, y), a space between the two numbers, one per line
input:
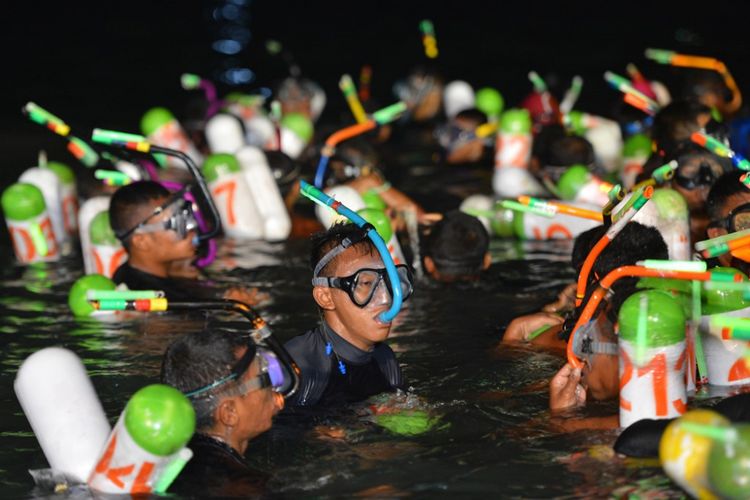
(103, 64)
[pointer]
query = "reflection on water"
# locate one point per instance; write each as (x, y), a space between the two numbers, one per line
(486, 407)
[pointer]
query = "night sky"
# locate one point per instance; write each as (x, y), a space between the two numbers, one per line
(104, 63)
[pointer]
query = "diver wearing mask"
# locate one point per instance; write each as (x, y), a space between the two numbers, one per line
(345, 358)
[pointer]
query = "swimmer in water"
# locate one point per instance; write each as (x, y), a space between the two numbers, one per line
(456, 248)
(158, 230)
(345, 358)
(225, 377)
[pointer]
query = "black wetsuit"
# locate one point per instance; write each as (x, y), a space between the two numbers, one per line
(174, 288)
(217, 470)
(335, 372)
(641, 439)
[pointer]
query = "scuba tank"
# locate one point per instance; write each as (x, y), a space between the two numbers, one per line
(68, 196)
(29, 224)
(724, 356)
(382, 223)
(635, 152)
(106, 250)
(60, 402)
(578, 184)
(240, 216)
(265, 193)
(653, 357)
(90, 209)
(50, 186)
(512, 155)
(162, 129)
(224, 134)
(148, 438)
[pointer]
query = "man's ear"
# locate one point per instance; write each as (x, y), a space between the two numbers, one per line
(487, 262)
(429, 265)
(324, 298)
(140, 242)
(713, 232)
(226, 414)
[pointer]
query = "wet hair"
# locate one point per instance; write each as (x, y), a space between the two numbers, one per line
(567, 151)
(724, 188)
(675, 122)
(634, 243)
(457, 245)
(198, 359)
(126, 207)
(285, 170)
(325, 241)
(472, 114)
(700, 82)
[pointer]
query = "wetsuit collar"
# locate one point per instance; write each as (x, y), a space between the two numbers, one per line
(343, 349)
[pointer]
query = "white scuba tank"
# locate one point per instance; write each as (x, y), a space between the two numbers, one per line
(260, 132)
(51, 188)
(265, 193)
(147, 440)
(239, 213)
(458, 96)
(65, 414)
(90, 209)
(224, 134)
(68, 196)
(29, 224)
(344, 194)
(725, 357)
(162, 129)
(512, 154)
(106, 251)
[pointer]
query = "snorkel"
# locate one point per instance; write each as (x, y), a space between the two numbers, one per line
(621, 218)
(720, 149)
(210, 226)
(152, 300)
(378, 118)
(632, 96)
(76, 146)
(319, 197)
(190, 81)
(709, 63)
(651, 270)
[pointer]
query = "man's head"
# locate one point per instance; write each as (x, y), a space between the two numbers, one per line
(350, 284)
(674, 124)
(456, 249)
(561, 152)
(458, 137)
(220, 372)
(728, 207)
(151, 223)
(697, 170)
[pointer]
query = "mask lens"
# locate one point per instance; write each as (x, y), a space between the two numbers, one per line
(364, 285)
(741, 220)
(273, 368)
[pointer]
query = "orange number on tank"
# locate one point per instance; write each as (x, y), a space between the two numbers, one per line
(228, 188)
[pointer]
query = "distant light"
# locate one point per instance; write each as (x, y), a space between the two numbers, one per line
(235, 32)
(239, 2)
(236, 76)
(230, 12)
(229, 47)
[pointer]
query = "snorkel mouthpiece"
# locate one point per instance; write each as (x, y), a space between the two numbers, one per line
(319, 197)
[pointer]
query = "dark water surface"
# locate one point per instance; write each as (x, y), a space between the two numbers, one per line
(491, 437)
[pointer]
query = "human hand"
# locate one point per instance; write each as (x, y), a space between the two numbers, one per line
(565, 390)
(520, 328)
(251, 297)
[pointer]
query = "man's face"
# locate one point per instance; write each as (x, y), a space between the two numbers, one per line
(256, 408)
(601, 376)
(165, 245)
(729, 205)
(359, 325)
(694, 177)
